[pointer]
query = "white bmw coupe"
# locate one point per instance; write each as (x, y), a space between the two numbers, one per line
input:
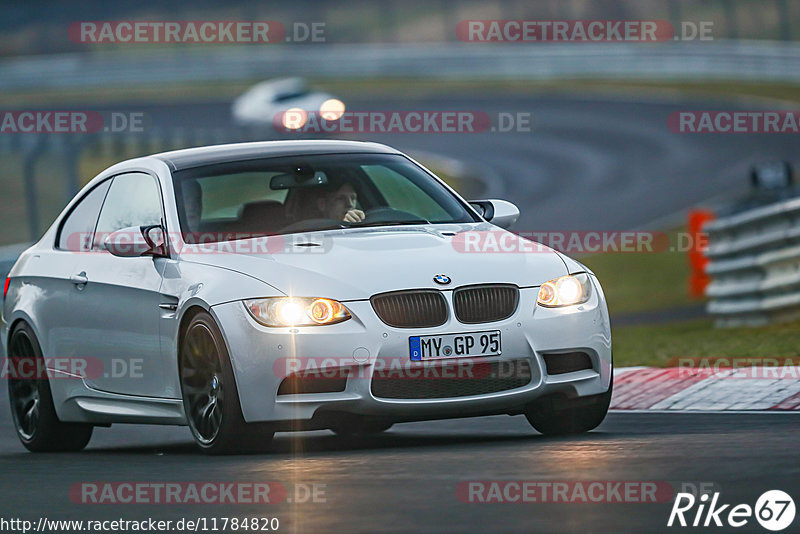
(294, 285)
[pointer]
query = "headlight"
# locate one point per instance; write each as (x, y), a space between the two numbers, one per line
(296, 311)
(332, 109)
(565, 291)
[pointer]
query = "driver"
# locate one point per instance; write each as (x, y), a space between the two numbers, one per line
(335, 201)
(340, 204)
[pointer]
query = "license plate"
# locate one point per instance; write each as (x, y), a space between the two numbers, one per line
(454, 345)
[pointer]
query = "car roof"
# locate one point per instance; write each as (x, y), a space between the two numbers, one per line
(282, 84)
(209, 155)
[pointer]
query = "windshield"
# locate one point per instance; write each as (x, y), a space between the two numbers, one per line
(242, 199)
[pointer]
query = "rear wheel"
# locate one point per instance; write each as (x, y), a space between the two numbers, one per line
(558, 416)
(210, 396)
(32, 408)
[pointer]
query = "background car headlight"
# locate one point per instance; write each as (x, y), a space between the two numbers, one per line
(296, 311)
(332, 109)
(565, 291)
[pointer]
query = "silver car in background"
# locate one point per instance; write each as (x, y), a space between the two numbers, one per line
(266, 103)
(294, 285)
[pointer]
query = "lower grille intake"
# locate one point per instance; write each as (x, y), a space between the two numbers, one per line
(456, 379)
(308, 382)
(558, 364)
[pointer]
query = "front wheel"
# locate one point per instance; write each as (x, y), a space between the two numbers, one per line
(32, 408)
(210, 396)
(555, 417)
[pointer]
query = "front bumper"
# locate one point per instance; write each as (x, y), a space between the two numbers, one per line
(262, 357)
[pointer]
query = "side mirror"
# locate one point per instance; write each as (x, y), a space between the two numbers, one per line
(499, 212)
(136, 241)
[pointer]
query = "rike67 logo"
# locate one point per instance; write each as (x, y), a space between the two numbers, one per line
(774, 510)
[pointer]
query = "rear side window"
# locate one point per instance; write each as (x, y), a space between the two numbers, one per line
(133, 200)
(78, 228)
(224, 197)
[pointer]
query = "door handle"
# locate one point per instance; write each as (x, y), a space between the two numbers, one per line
(79, 279)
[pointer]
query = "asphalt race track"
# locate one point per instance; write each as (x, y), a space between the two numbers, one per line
(406, 479)
(588, 163)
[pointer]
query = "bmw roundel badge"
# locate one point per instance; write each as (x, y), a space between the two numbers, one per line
(441, 279)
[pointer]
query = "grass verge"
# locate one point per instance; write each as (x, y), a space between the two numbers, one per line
(412, 88)
(656, 344)
(640, 282)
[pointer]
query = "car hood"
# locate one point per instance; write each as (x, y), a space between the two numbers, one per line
(354, 264)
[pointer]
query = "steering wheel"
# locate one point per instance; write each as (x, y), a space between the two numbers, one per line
(311, 225)
(387, 214)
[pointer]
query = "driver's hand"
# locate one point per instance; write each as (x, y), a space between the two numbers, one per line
(354, 216)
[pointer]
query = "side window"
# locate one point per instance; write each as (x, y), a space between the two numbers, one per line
(132, 200)
(77, 230)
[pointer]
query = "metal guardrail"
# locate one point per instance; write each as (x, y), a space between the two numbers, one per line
(34, 148)
(713, 60)
(754, 264)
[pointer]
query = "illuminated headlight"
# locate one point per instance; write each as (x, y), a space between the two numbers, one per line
(296, 311)
(294, 118)
(565, 291)
(332, 109)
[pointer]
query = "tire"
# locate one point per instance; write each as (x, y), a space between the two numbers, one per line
(210, 396)
(554, 417)
(358, 426)
(31, 401)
